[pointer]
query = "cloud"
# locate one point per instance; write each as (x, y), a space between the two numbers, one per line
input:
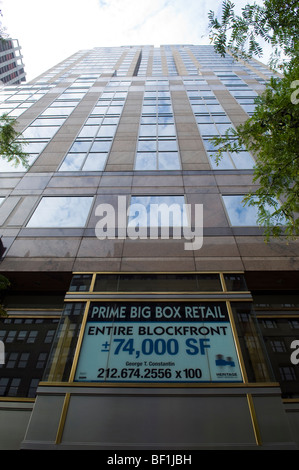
(154, 21)
(49, 32)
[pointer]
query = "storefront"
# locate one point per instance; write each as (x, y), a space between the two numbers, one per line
(158, 361)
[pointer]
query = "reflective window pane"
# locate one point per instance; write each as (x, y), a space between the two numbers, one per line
(157, 211)
(72, 162)
(147, 146)
(241, 215)
(106, 131)
(95, 162)
(169, 161)
(80, 146)
(56, 111)
(39, 132)
(208, 129)
(166, 130)
(101, 146)
(224, 163)
(146, 161)
(49, 122)
(148, 130)
(238, 214)
(167, 145)
(68, 211)
(242, 160)
(88, 131)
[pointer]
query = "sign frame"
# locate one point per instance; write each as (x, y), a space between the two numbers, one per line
(184, 301)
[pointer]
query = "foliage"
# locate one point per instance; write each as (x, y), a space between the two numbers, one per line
(271, 135)
(3, 34)
(10, 147)
(275, 23)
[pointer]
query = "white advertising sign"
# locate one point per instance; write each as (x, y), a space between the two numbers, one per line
(163, 342)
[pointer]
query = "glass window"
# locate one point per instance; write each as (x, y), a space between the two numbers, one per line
(147, 146)
(157, 211)
(254, 354)
(148, 130)
(23, 358)
(68, 211)
(239, 214)
(106, 131)
(231, 160)
(65, 342)
(41, 362)
(58, 111)
(235, 282)
(212, 121)
(94, 141)
(49, 122)
(14, 387)
(11, 360)
(207, 129)
(168, 161)
(3, 385)
(146, 161)
(80, 283)
(80, 146)
(88, 131)
(157, 148)
(101, 146)
(95, 162)
(242, 160)
(73, 162)
(40, 132)
(278, 342)
(167, 145)
(149, 282)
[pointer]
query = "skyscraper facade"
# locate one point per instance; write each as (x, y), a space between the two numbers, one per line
(11, 62)
(144, 308)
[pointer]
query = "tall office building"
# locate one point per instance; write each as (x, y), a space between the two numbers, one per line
(145, 310)
(11, 62)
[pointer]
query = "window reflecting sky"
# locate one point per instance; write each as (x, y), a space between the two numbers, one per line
(68, 211)
(241, 215)
(144, 211)
(238, 214)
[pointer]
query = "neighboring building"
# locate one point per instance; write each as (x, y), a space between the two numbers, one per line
(113, 341)
(11, 62)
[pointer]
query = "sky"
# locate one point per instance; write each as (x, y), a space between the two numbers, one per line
(50, 31)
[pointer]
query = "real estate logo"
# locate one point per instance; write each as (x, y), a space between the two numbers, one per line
(222, 361)
(151, 221)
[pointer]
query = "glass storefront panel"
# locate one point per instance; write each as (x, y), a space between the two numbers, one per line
(235, 282)
(81, 283)
(185, 336)
(65, 343)
(27, 343)
(158, 283)
(256, 362)
(281, 338)
(278, 318)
